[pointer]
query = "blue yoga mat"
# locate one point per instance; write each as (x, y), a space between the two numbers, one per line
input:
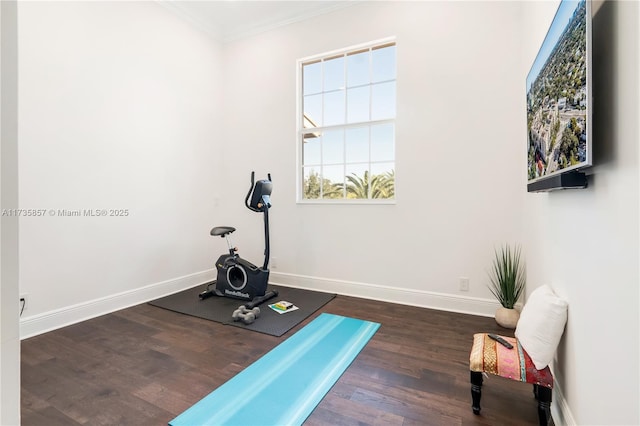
(285, 385)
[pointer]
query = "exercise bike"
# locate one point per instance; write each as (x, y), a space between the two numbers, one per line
(237, 277)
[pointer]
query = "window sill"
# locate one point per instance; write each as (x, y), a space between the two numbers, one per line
(348, 202)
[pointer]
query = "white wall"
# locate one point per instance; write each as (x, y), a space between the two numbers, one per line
(119, 109)
(460, 153)
(585, 243)
(9, 336)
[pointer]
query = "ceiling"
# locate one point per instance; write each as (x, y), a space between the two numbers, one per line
(228, 20)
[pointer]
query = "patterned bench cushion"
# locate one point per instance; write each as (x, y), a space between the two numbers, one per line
(491, 357)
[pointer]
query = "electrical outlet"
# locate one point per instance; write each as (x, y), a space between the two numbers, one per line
(274, 263)
(464, 284)
(24, 303)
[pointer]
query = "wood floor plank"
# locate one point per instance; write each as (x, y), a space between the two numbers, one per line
(145, 365)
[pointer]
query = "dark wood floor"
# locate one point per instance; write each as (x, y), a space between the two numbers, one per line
(145, 365)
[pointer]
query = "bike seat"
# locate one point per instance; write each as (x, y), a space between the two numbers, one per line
(222, 231)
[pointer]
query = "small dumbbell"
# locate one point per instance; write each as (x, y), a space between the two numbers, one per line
(245, 315)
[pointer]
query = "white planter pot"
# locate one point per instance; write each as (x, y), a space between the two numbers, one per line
(507, 318)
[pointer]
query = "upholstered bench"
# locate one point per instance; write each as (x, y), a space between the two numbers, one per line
(538, 333)
(491, 357)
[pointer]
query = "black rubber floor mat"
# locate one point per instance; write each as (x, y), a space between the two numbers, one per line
(219, 309)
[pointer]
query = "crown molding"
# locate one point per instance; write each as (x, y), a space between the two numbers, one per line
(247, 30)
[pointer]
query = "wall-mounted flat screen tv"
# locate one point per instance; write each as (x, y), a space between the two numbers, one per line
(559, 96)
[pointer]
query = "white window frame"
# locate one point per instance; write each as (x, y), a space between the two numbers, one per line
(300, 129)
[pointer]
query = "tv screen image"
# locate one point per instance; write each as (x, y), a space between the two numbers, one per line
(558, 95)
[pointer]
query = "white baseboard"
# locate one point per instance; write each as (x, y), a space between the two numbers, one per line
(403, 296)
(560, 410)
(41, 323)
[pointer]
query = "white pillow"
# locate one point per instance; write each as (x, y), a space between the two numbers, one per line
(541, 325)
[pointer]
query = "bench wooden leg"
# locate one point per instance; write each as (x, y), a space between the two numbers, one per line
(476, 391)
(543, 395)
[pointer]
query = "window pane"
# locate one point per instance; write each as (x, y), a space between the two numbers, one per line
(311, 183)
(311, 149)
(382, 142)
(358, 69)
(357, 145)
(384, 64)
(383, 101)
(357, 178)
(383, 182)
(334, 108)
(333, 147)
(334, 74)
(332, 182)
(358, 104)
(312, 78)
(382, 168)
(348, 103)
(312, 111)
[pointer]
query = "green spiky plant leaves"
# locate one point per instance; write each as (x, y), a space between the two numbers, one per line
(508, 276)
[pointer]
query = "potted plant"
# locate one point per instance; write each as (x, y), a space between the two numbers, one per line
(508, 279)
